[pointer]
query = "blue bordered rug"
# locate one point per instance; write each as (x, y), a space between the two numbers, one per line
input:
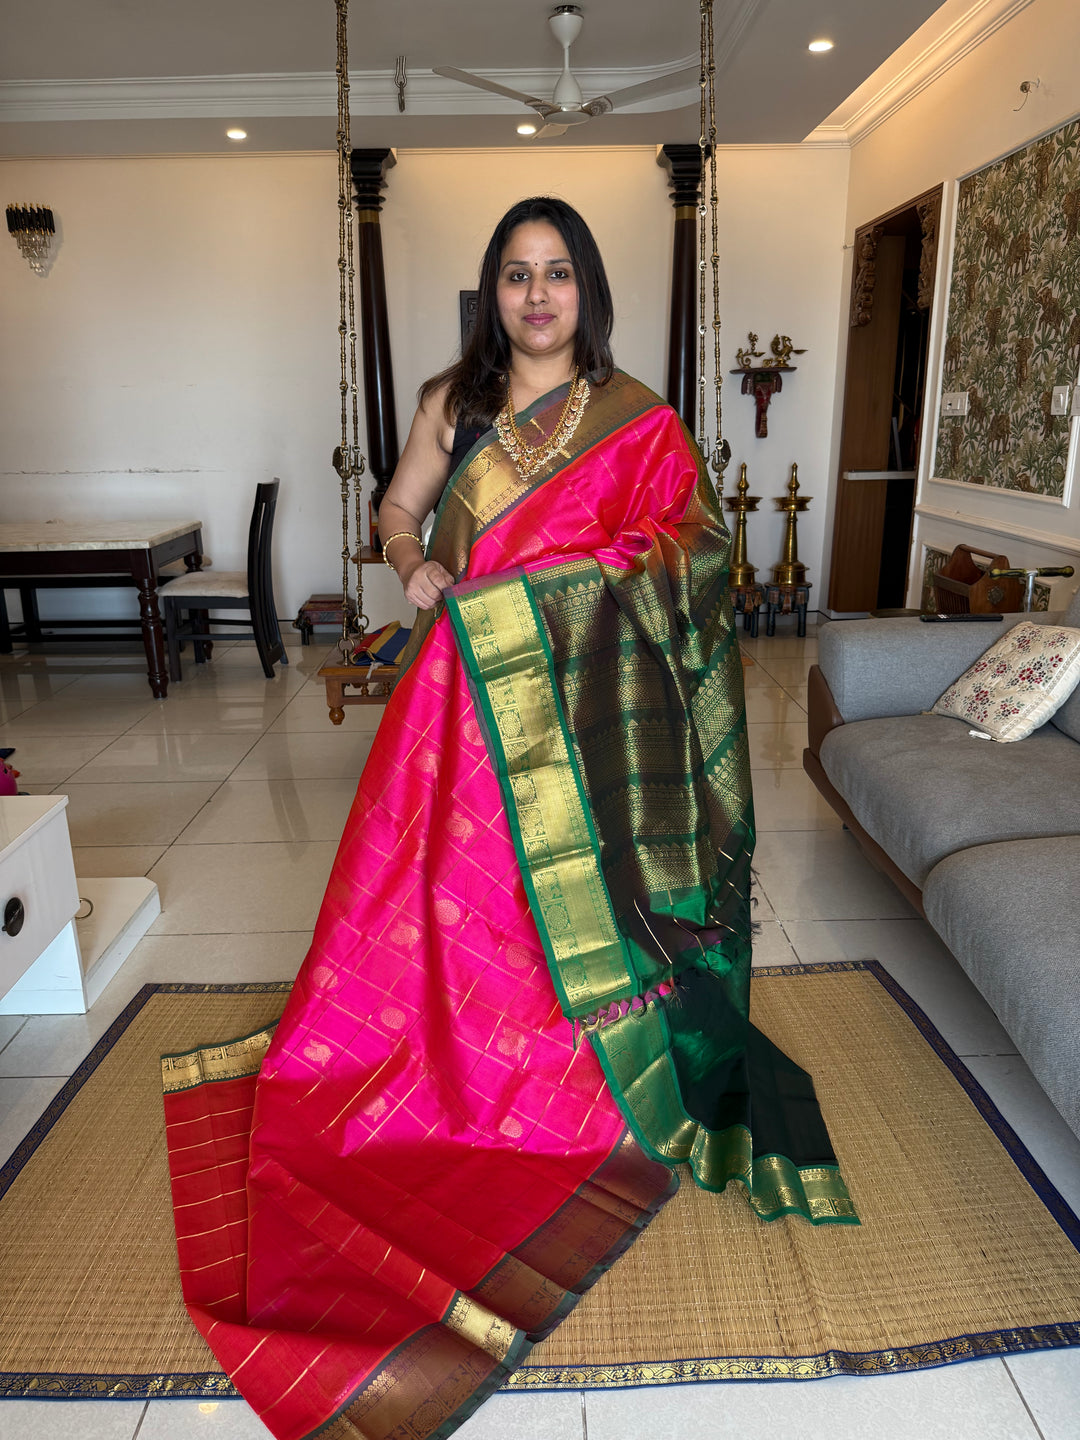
(966, 1250)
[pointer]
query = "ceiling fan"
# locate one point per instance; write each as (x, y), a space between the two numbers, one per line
(567, 105)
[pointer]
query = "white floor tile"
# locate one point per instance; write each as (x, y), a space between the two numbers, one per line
(137, 812)
(191, 1419)
(84, 717)
(310, 712)
(914, 956)
(112, 684)
(52, 1045)
(975, 1401)
(771, 705)
(10, 1025)
(238, 674)
(50, 760)
(241, 889)
(21, 686)
(190, 713)
(98, 860)
(822, 875)
(777, 747)
(771, 945)
(70, 1419)
(336, 751)
(787, 799)
(547, 1415)
(21, 1104)
(243, 810)
(783, 672)
(208, 960)
(1049, 1381)
(166, 757)
(1024, 1104)
(757, 678)
(782, 647)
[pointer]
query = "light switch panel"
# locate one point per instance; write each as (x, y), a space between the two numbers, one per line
(1059, 400)
(954, 402)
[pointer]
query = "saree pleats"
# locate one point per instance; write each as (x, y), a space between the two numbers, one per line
(526, 996)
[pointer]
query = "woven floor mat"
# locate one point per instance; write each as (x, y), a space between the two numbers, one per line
(965, 1249)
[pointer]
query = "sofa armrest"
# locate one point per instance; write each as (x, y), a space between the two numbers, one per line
(876, 668)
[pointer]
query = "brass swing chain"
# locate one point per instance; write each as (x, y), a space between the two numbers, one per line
(348, 459)
(719, 454)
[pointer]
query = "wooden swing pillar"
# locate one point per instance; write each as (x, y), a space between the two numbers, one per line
(368, 169)
(683, 166)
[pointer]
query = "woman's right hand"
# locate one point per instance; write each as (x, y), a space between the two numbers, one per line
(424, 583)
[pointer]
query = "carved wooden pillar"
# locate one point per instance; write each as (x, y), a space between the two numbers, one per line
(683, 165)
(368, 170)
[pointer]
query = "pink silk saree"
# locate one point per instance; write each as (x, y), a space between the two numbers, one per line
(525, 999)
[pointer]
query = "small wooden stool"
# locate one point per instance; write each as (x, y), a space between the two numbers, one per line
(321, 610)
(786, 599)
(748, 600)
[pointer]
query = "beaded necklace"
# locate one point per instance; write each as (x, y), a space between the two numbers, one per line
(528, 459)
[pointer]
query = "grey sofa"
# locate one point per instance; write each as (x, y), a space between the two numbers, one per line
(983, 838)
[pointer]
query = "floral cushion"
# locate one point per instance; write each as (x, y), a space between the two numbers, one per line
(1018, 683)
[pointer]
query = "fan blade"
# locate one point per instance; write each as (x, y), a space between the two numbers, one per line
(478, 81)
(651, 89)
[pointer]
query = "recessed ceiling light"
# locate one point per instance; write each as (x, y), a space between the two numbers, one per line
(818, 47)
(236, 134)
(526, 129)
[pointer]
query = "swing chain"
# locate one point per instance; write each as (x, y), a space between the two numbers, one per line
(718, 454)
(348, 459)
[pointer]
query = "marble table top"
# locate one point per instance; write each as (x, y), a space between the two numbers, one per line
(92, 534)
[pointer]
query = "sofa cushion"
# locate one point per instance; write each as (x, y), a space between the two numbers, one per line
(922, 787)
(1067, 718)
(1008, 914)
(1017, 684)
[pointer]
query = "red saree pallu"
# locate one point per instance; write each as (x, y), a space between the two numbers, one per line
(526, 997)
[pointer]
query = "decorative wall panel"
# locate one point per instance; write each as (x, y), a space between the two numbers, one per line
(1013, 328)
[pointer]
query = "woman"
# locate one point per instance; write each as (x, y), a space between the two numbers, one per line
(526, 996)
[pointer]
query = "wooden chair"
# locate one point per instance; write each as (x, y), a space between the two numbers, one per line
(195, 594)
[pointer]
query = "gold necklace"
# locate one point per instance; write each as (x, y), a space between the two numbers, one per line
(528, 459)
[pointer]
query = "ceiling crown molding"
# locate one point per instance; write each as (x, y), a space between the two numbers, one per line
(372, 92)
(897, 87)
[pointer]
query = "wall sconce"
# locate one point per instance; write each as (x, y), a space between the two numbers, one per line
(33, 228)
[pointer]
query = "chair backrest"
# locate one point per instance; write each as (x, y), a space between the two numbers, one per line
(260, 534)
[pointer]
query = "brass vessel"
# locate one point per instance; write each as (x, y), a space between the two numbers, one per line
(740, 504)
(790, 570)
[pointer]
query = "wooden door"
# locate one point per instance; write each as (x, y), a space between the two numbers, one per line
(865, 506)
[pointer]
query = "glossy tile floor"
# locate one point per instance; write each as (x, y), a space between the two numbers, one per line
(231, 794)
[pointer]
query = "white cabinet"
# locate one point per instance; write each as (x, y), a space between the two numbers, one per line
(36, 869)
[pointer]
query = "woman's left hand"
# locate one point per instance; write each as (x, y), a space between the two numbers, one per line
(425, 583)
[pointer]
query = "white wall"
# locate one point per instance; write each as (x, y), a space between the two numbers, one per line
(968, 117)
(782, 262)
(184, 344)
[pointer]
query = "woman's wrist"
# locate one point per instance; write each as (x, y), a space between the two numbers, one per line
(404, 556)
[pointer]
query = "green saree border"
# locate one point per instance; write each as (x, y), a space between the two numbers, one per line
(505, 649)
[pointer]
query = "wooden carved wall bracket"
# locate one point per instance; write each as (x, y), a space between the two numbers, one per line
(929, 211)
(862, 294)
(763, 384)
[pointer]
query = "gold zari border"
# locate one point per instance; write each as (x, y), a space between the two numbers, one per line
(230, 1061)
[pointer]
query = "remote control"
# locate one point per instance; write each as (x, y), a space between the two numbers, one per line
(934, 619)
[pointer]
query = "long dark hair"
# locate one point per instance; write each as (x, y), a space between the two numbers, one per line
(477, 382)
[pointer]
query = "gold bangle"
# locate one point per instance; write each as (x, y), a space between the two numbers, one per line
(397, 535)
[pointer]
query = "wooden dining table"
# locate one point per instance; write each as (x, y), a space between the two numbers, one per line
(73, 553)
